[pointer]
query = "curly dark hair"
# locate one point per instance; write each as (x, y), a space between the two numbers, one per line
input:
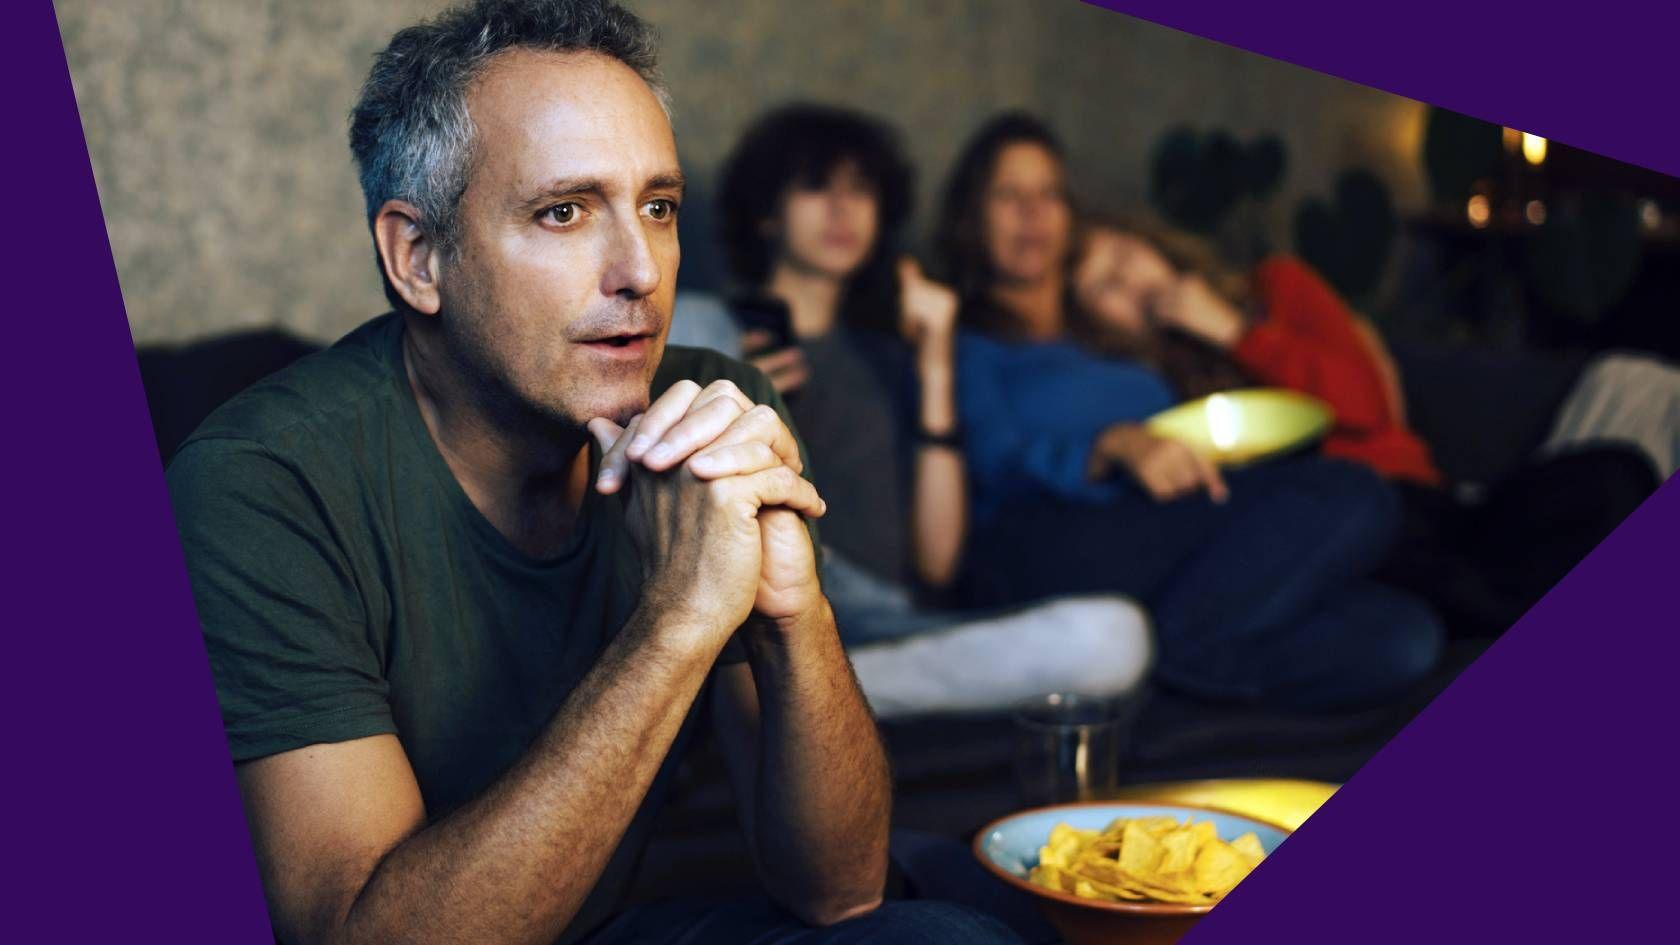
(800, 145)
(960, 239)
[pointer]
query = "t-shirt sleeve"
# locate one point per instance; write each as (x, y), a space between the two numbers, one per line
(284, 623)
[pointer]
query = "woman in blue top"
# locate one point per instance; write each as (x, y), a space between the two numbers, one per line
(1254, 577)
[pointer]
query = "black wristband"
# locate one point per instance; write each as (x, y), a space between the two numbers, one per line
(952, 438)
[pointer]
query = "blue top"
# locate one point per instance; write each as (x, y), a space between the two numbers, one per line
(1032, 410)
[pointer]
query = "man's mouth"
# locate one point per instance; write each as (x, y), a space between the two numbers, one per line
(627, 345)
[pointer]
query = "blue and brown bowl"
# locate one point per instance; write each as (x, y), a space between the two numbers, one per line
(1009, 847)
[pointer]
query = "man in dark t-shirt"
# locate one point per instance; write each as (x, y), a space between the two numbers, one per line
(349, 588)
(469, 577)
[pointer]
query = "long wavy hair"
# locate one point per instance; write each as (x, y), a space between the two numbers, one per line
(1193, 367)
(960, 252)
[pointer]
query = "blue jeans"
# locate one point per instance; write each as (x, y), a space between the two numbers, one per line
(758, 922)
(1262, 598)
(872, 609)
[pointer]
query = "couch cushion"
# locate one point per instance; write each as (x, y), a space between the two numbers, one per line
(1483, 411)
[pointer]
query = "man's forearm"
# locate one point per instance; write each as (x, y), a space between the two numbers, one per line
(823, 793)
(939, 510)
(515, 864)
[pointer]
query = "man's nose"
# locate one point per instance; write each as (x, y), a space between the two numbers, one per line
(632, 269)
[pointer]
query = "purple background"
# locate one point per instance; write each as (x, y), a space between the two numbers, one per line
(1523, 802)
(123, 818)
(1531, 800)
(1603, 83)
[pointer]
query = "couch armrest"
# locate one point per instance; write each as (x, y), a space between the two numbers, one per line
(1483, 411)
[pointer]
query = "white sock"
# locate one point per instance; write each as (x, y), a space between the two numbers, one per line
(1098, 645)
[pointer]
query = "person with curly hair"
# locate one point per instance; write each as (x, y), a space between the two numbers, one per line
(862, 346)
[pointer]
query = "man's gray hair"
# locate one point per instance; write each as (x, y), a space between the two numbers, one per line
(410, 131)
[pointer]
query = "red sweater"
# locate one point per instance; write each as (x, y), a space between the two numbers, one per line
(1306, 339)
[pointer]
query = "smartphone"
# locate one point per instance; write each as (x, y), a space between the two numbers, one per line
(768, 315)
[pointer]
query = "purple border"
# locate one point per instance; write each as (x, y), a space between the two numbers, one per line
(1544, 764)
(124, 818)
(1598, 77)
(1551, 754)
(1550, 758)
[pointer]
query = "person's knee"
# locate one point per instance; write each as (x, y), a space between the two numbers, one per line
(1111, 635)
(1406, 645)
(1369, 645)
(930, 922)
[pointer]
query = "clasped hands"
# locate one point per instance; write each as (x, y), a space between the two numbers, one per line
(716, 508)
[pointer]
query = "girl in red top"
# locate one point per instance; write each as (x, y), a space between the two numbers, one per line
(1160, 298)
(1164, 298)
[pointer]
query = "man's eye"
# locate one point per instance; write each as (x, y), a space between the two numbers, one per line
(562, 214)
(662, 209)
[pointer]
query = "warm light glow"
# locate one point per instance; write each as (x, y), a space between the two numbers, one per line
(1650, 215)
(1512, 139)
(1534, 212)
(1534, 148)
(1224, 421)
(1478, 211)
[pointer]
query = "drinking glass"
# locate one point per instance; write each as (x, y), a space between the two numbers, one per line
(1068, 745)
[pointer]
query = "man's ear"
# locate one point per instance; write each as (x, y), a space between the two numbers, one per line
(411, 258)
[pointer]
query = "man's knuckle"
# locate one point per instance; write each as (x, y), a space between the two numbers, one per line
(723, 406)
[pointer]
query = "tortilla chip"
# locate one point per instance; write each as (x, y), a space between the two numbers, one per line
(1146, 858)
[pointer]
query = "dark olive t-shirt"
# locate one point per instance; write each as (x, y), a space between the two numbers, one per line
(852, 412)
(348, 587)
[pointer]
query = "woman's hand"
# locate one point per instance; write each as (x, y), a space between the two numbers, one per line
(1166, 469)
(1192, 306)
(785, 367)
(927, 309)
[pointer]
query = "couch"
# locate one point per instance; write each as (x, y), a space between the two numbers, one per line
(1483, 411)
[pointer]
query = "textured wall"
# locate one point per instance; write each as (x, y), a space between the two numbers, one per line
(216, 127)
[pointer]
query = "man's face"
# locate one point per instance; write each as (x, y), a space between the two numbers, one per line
(830, 228)
(560, 294)
(1027, 223)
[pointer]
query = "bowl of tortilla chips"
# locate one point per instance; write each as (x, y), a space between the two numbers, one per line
(1106, 873)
